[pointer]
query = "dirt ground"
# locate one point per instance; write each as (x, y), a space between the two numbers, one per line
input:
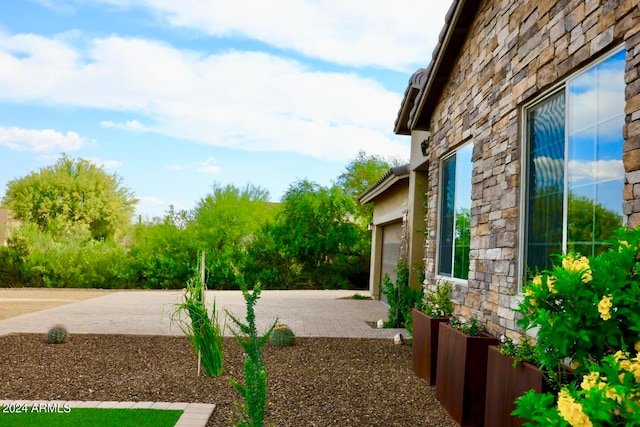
(17, 301)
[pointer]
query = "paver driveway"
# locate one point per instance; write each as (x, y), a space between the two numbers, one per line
(327, 313)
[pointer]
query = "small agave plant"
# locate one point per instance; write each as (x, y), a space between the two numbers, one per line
(57, 335)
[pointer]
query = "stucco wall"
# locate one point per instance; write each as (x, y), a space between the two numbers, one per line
(389, 205)
(515, 50)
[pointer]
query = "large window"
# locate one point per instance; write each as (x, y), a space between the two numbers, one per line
(455, 214)
(575, 175)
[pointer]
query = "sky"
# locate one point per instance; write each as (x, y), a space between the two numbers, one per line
(175, 96)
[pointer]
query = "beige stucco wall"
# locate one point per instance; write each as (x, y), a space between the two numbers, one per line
(516, 50)
(387, 208)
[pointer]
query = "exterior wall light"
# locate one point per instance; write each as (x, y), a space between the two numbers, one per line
(424, 146)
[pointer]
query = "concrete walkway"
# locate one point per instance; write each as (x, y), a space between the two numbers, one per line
(308, 313)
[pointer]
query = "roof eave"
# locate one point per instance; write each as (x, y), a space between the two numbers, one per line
(391, 178)
(458, 21)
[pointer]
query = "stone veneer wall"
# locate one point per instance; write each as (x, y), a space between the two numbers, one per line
(515, 50)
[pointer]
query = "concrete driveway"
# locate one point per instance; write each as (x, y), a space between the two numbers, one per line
(328, 313)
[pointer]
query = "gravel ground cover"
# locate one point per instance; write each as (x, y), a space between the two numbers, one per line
(317, 382)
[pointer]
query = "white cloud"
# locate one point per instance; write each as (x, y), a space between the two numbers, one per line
(396, 35)
(209, 166)
(132, 125)
(601, 170)
(246, 100)
(151, 200)
(551, 171)
(107, 164)
(41, 141)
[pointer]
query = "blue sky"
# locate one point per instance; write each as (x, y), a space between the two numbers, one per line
(175, 95)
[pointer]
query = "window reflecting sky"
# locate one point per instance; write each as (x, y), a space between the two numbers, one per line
(595, 101)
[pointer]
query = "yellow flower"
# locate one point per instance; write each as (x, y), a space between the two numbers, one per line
(571, 411)
(550, 281)
(590, 380)
(637, 346)
(604, 306)
(611, 394)
(577, 265)
(635, 368)
(625, 244)
(537, 280)
(619, 355)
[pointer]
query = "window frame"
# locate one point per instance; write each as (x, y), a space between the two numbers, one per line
(453, 153)
(525, 109)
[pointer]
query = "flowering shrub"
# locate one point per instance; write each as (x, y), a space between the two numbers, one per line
(467, 326)
(609, 395)
(438, 303)
(586, 308)
(587, 311)
(521, 351)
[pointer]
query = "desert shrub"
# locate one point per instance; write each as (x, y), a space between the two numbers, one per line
(71, 258)
(162, 255)
(11, 273)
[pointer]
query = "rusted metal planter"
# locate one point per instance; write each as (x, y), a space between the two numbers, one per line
(425, 345)
(461, 379)
(505, 384)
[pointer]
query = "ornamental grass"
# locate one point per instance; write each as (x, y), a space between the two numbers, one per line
(203, 330)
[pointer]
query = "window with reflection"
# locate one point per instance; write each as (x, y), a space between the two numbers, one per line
(455, 214)
(575, 174)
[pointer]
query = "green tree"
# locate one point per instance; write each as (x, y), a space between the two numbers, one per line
(70, 193)
(360, 174)
(225, 222)
(316, 227)
(590, 224)
(363, 172)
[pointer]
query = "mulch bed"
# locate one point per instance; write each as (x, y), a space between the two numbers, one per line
(317, 382)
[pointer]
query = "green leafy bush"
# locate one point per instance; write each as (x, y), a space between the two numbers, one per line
(587, 313)
(71, 258)
(607, 396)
(585, 308)
(438, 303)
(401, 298)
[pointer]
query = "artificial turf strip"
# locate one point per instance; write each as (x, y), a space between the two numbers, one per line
(102, 417)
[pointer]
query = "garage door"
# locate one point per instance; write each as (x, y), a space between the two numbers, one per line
(391, 234)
